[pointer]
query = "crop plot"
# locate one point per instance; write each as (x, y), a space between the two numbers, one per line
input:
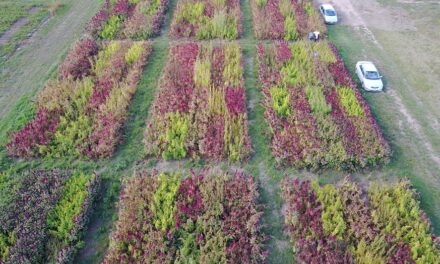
(285, 19)
(44, 214)
(207, 19)
(128, 19)
(203, 218)
(335, 224)
(200, 109)
(82, 113)
(317, 116)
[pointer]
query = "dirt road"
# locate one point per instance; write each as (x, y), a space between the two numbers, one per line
(28, 70)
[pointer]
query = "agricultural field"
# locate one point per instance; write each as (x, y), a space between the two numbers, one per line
(336, 224)
(44, 215)
(204, 217)
(20, 20)
(128, 19)
(317, 116)
(207, 19)
(81, 113)
(184, 131)
(285, 19)
(200, 109)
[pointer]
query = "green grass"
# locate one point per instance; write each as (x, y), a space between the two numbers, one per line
(14, 11)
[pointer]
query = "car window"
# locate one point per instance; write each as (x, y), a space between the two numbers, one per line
(372, 75)
(362, 70)
(329, 12)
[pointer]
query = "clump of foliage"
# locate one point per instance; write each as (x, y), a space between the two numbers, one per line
(77, 63)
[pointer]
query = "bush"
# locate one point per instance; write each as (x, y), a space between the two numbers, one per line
(316, 98)
(134, 53)
(350, 102)
(290, 29)
(175, 136)
(77, 63)
(111, 28)
(280, 101)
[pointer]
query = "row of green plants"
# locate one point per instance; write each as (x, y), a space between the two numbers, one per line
(317, 116)
(82, 113)
(285, 19)
(344, 223)
(200, 217)
(206, 19)
(128, 19)
(43, 214)
(200, 108)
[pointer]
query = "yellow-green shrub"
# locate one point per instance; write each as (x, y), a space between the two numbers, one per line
(175, 136)
(111, 28)
(134, 53)
(280, 101)
(333, 212)
(233, 72)
(103, 59)
(316, 98)
(163, 203)
(350, 102)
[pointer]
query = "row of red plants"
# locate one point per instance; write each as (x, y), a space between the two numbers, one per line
(285, 19)
(317, 115)
(206, 217)
(82, 113)
(200, 109)
(44, 215)
(127, 19)
(345, 224)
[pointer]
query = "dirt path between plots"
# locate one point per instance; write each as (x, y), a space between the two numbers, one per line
(27, 72)
(7, 35)
(386, 19)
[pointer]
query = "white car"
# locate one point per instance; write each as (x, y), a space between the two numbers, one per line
(369, 75)
(329, 14)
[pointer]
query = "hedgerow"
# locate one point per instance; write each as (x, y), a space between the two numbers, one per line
(388, 228)
(204, 217)
(200, 110)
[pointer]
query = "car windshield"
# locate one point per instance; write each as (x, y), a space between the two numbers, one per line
(329, 12)
(372, 75)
